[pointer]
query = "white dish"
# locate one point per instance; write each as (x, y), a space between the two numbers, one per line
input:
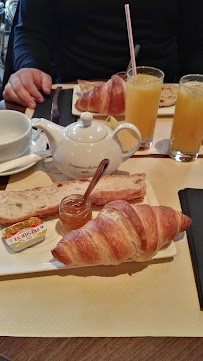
(76, 91)
(39, 258)
(38, 143)
(166, 110)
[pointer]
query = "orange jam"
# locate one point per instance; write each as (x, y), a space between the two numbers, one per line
(72, 215)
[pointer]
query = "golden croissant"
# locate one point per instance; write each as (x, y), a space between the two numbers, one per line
(108, 98)
(121, 232)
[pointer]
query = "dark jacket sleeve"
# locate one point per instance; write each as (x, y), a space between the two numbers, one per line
(32, 35)
(190, 36)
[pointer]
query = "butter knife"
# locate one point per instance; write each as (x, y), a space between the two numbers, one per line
(23, 161)
(55, 114)
(137, 49)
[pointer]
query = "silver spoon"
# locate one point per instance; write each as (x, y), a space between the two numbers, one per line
(103, 165)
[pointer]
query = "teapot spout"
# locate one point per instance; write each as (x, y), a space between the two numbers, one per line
(52, 131)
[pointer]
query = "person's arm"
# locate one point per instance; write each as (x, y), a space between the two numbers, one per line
(32, 35)
(190, 36)
(31, 58)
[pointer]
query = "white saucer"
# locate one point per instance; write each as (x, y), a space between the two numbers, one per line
(38, 144)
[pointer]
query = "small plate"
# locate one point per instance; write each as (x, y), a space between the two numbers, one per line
(166, 110)
(38, 143)
(76, 91)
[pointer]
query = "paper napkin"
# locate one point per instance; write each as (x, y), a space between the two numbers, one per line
(43, 110)
(192, 205)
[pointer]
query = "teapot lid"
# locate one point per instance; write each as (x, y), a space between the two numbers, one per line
(87, 130)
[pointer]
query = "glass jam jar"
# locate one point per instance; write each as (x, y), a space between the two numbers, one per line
(72, 215)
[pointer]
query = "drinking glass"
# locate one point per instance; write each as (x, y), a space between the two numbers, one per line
(187, 129)
(142, 101)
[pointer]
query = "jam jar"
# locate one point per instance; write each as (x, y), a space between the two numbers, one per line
(72, 214)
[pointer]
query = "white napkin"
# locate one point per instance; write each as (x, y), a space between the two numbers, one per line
(22, 161)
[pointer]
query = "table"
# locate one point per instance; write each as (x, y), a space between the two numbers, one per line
(124, 348)
(102, 349)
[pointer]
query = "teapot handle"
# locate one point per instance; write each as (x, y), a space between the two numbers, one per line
(128, 153)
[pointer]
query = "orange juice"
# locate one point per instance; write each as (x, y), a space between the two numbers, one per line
(187, 130)
(142, 101)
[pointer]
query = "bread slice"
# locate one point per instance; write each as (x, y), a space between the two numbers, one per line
(41, 202)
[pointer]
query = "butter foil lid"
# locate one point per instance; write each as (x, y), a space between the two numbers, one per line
(24, 234)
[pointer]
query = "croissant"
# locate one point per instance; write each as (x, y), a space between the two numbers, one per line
(108, 98)
(121, 232)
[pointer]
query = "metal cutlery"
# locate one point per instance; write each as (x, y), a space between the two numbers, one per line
(137, 49)
(55, 114)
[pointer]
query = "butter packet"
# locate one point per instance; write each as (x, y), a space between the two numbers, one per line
(24, 234)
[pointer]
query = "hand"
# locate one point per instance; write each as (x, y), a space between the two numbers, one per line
(24, 87)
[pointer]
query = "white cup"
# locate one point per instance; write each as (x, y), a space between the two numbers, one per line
(15, 134)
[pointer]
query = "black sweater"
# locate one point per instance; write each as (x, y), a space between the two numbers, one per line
(87, 39)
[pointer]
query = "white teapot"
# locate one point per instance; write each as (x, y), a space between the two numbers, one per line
(77, 149)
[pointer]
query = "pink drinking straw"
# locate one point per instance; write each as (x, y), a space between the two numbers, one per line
(130, 38)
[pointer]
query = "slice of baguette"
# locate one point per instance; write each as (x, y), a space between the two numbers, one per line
(41, 202)
(86, 86)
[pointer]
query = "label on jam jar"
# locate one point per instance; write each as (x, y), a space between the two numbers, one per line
(24, 234)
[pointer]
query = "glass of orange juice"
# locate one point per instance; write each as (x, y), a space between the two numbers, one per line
(187, 129)
(142, 101)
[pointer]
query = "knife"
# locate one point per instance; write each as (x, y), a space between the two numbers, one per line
(137, 49)
(26, 159)
(55, 114)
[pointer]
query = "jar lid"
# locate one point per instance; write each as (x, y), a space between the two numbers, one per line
(87, 130)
